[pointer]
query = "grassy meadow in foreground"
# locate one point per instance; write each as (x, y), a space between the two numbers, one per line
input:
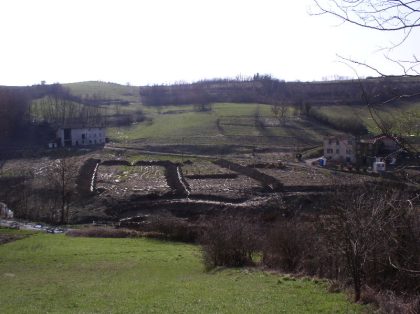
(59, 274)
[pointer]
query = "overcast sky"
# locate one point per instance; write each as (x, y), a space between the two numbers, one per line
(163, 41)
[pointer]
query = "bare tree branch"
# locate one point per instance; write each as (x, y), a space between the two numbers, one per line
(383, 15)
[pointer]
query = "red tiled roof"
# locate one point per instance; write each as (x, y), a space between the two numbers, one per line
(373, 140)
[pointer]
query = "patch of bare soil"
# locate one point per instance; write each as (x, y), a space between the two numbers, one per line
(310, 176)
(121, 181)
(6, 238)
(239, 187)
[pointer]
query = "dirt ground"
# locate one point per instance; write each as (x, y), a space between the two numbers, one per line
(6, 238)
(200, 178)
(122, 180)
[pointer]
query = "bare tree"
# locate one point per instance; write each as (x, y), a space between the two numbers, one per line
(60, 108)
(385, 16)
(381, 15)
(365, 230)
(61, 175)
(280, 110)
(13, 109)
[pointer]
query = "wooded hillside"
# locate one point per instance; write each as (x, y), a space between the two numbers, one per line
(265, 89)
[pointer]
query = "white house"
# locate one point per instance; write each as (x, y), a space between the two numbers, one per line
(81, 136)
(340, 148)
(5, 212)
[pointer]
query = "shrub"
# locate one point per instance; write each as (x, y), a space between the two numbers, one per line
(173, 228)
(348, 124)
(103, 232)
(164, 226)
(366, 237)
(389, 302)
(228, 241)
(288, 244)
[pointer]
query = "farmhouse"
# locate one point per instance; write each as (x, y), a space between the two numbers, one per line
(340, 148)
(5, 212)
(80, 136)
(363, 151)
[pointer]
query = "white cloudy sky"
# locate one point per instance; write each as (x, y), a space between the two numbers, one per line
(163, 41)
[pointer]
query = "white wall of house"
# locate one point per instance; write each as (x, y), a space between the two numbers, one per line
(340, 148)
(82, 136)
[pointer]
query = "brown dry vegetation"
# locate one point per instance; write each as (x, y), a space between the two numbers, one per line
(366, 239)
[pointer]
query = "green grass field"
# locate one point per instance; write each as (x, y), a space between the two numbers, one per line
(390, 112)
(227, 123)
(59, 274)
(105, 90)
(177, 125)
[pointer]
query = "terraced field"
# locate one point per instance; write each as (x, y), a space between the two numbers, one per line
(122, 180)
(240, 187)
(307, 176)
(203, 168)
(226, 124)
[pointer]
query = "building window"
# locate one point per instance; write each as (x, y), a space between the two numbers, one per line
(348, 151)
(337, 142)
(350, 142)
(329, 151)
(337, 151)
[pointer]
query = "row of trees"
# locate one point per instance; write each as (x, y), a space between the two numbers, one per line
(268, 90)
(57, 110)
(14, 104)
(25, 111)
(45, 195)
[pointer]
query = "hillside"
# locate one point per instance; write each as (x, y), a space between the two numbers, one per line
(239, 114)
(104, 90)
(222, 113)
(265, 89)
(224, 124)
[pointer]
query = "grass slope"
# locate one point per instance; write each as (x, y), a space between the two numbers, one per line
(227, 123)
(182, 121)
(388, 112)
(105, 90)
(58, 274)
(237, 125)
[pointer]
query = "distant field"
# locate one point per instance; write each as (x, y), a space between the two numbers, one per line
(60, 274)
(105, 90)
(390, 112)
(226, 123)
